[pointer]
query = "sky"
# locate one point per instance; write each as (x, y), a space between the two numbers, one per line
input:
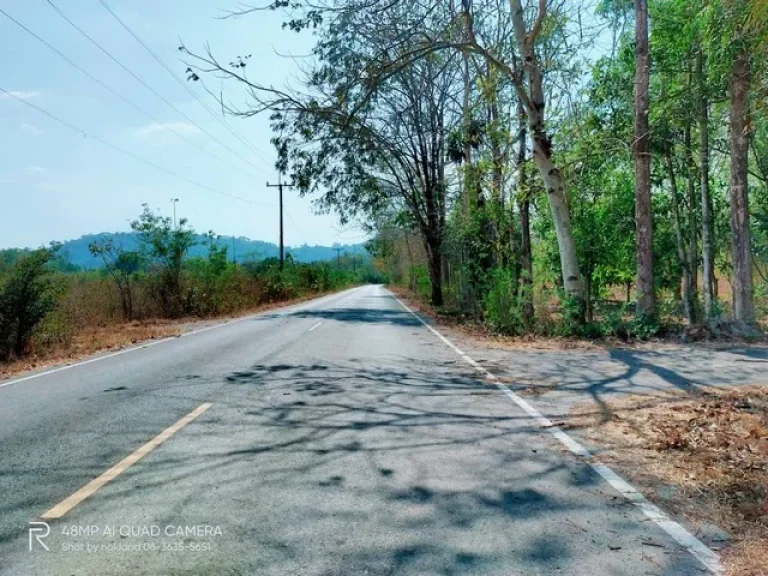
(58, 182)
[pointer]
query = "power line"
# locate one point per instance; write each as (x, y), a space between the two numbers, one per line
(131, 154)
(77, 67)
(183, 84)
(147, 86)
(296, 227)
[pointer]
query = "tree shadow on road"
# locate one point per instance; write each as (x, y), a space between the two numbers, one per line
(405, 467)
(403, 471)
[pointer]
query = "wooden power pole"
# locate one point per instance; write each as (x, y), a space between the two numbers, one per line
(280, 187)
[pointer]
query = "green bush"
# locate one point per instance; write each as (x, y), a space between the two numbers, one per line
(420, 283)
(502, 311)
(26, 296)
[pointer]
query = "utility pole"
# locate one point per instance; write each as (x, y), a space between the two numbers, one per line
(174, 201)
(280, 187)
(234, 254)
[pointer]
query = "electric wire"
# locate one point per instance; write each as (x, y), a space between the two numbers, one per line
(114, 92)
(147, 86)
(131, 154)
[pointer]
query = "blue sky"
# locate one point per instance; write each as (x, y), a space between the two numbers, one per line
(58, 184)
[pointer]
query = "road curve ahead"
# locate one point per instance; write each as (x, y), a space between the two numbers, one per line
(336, 437)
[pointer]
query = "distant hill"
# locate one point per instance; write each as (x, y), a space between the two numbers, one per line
(243, 249)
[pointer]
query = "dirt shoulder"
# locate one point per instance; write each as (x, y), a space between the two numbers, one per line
(113, 337)
(687, 424)
(701, 457)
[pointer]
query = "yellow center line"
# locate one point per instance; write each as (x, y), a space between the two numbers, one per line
(89, 489)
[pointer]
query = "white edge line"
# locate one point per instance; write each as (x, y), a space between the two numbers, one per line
(83, 362)
(696, 547)
(315, 327)
(149, 344)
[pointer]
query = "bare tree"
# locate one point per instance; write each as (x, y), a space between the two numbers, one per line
(367, 136)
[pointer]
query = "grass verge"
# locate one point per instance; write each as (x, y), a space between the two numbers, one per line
(92, 340)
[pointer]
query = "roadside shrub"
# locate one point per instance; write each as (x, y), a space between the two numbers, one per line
(502, 311)
(26, 296)
(48, 303)
(420, 283)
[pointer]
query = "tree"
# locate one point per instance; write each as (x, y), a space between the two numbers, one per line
(165, 246)
(417, 117)
(365, 139)
(707, 241)
(534, 105)
(121, 265)
(646, 301)
(401, 33)
(741, 246)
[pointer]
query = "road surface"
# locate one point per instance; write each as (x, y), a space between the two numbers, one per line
(335, 437)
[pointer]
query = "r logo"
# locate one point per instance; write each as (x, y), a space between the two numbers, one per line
(40, 530)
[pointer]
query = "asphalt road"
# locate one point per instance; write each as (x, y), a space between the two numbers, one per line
(336, 437)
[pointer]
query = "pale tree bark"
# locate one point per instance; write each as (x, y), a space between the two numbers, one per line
(646, 300)
(554, 183)
(741, 246)
(531, 95)
(524, 199)
(707, 243)
(499, 160)
(467, 121)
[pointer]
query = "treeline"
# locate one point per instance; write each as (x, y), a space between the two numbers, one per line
(76, 253)
(44, 303)
(568, 167)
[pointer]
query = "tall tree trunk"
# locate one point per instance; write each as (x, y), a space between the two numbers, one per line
(467, 121)
(681, 254)
(573, 283)
(502, 236)
(693, 233)
(524, 198)
(554, 183)
(435, 262)
(646, 301)
(741, 247)
(707, 244)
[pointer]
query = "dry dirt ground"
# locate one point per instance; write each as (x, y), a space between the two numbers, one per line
(702, 456)
(686, 424)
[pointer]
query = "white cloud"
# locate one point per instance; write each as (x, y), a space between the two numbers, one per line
(155, 128)
(32, 129)
(34, 170)
(20, 94)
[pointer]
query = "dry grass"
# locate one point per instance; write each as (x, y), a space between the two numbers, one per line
(90, 340)
(712, 449)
